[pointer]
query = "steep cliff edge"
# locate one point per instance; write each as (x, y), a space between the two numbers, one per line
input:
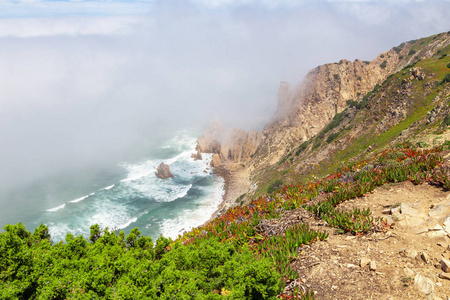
(304, 111)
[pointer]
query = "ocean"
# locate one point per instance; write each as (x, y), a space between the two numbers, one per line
(129, 195)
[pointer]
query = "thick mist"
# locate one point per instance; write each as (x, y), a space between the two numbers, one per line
(79, 92)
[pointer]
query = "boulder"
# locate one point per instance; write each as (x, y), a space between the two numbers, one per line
(423, 284)
(198, 156)
(163, 171)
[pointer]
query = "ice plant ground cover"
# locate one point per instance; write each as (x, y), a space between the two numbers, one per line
(228, 257)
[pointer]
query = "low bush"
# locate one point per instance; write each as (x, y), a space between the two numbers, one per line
(274, 186)
(446, 79)
(113, 267)
(301, 148)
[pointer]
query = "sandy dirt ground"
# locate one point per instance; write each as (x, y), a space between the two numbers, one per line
(406, 260)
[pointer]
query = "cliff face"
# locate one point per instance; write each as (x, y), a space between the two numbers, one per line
(305, 109)
(232, 145)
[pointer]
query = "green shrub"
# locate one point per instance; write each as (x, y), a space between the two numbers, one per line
(422, 144)
(301, 148)
(337, 119)
(448, 66)
(383, 64)
(443, 56)
(412, 52)
(446, 121)
(240, 198)
(336, 76)
(32, 268)
(332, 137)
(366, 62)
(382, 56)
(446, 79)
(274, 186)
(400, 57)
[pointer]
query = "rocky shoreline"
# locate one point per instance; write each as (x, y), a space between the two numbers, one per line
(236, 183)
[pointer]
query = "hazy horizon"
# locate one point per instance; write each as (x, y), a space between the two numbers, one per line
(88, 83)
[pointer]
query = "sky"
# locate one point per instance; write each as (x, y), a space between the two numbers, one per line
(96, 82)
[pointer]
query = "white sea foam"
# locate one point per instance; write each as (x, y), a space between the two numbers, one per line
(192, 218)
(125, 204)
(125, 225)
(56, 208)
(79, 199)
(58, 231)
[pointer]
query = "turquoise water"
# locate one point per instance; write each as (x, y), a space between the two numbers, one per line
(127, 195)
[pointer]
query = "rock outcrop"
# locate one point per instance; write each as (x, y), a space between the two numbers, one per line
(197, 156)
(163, 171)
(305, 109)
(215, 162)
(233, 145)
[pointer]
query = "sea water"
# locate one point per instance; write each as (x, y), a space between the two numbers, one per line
(132, 196)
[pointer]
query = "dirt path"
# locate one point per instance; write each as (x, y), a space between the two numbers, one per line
(404, 262)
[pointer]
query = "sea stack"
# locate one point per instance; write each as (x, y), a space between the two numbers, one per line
(197, 156)
(163, 171)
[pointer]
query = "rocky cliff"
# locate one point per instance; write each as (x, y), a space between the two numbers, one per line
(306, 108)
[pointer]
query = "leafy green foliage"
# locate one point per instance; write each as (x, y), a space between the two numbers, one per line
(130, 268)
(446, 78)
(446, 121)
(365, 100)
(240, 199)
(332, 137)
(422, 144)
(274, 186)
(337, 119)
(415, 165)
(302, 147)
(412, 52)
(383, 64)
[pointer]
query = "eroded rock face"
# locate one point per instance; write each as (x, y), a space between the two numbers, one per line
(215, 162)
(163, 171)
(233, 145)
(305, 109)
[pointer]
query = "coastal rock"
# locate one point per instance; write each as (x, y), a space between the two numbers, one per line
(233, 145)
(163, 171)
(197, 156)
(215, 162)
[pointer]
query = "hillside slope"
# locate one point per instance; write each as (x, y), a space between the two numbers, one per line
(357, 208)
(347, 93)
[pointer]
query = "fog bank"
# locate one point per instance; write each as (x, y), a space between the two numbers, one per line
(80, 91)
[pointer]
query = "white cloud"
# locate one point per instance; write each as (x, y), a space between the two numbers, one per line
(72, 26)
